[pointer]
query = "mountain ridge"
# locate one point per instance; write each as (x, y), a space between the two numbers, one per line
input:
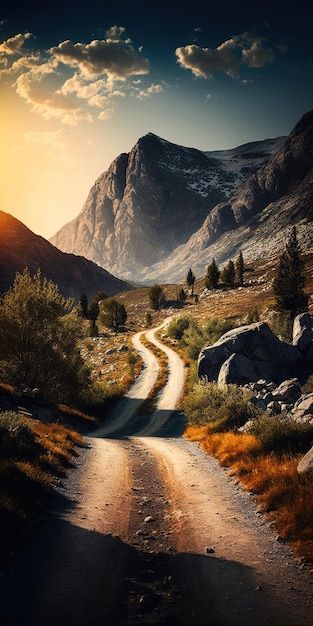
(152, 200)
(21, 248)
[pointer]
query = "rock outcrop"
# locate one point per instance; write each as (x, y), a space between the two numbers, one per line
(249, 353)
(151, 201)
(253, 357)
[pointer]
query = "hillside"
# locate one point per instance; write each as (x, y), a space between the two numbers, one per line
(74, 275)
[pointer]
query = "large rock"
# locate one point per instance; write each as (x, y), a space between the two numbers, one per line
(306, 464)
(302, 335)
(262, 355)
(239, 370)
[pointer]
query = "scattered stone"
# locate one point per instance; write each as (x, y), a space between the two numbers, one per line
(123, 348)
(149, 519)
(209, 550)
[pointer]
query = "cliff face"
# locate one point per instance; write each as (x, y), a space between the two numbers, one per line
(152, 200)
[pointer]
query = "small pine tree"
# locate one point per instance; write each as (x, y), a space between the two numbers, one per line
(213, 276)
(83, 305)
(181, 296)
(239, 269)
(229, 274)
(114, 313)
(289, 281)
(156, 297)
(190, 279)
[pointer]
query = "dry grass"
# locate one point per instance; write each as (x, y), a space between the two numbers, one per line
(149, 404)
(29, 472)
(281, 494)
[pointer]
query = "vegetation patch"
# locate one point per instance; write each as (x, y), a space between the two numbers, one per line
(34, 456)
(265, 461)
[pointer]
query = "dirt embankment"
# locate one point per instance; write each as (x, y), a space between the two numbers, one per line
(150, 530)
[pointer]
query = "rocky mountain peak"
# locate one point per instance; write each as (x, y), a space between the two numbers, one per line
(152, 200)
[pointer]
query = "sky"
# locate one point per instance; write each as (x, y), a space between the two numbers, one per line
(80, 83)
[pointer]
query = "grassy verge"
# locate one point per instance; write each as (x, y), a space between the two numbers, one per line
(264, 461)
(34, 456)
(150, 402)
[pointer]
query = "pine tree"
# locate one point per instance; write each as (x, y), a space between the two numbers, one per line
(190, 279)
(213, 276)
(229, 274)
(239, 269)
(289, 281)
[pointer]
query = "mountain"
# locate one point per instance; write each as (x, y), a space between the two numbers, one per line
(152, 200)
(256, 219)
(74, 275)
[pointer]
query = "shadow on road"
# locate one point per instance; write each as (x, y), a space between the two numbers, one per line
(73, 576)
(128, 419)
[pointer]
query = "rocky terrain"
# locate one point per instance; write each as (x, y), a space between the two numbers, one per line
(186, 206)
(159, 195)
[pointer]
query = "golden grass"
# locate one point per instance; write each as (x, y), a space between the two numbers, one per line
(281, 494)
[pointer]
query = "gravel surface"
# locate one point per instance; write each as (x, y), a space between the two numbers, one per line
(151, 530)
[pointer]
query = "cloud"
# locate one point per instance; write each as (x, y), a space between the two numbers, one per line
(150, 91)
(101, 57)
(70, 81)
(257, 55)
(47, 103)
(13, 45)
(227, 58)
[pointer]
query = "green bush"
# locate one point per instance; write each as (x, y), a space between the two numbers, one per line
(177, 326)
(16, 436)
(281, 434)
(39, 330)
(195, 337)
(223, 409)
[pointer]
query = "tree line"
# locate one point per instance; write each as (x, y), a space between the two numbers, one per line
(40, 329)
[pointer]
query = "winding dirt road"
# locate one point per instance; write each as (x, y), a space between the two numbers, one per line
(147, 529)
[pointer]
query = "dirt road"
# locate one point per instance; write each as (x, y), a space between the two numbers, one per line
(148, 529)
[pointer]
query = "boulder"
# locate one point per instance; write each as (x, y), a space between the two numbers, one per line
(303, 407)
(210, 361)
(288, 391)
(306, 464)
(302, 332)
(262, 355)
(239, 370)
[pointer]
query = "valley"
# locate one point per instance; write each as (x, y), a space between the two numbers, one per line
(148, 529)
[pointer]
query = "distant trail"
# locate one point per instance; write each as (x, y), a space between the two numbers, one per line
(121, 416)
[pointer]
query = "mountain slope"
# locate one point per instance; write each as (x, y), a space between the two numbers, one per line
(75, 275)
(153, 199)
(257, 217)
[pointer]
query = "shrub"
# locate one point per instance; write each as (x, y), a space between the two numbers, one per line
(196, 336)
(219, 408)
(38, 339)
(16, 436)
(177, 326)
(281, 434)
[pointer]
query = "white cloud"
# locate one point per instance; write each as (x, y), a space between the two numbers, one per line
(151, 90)
(13, 45)
(257, 55)
(71, 80)
(101, 57)
(47, 103)
(226, 58)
